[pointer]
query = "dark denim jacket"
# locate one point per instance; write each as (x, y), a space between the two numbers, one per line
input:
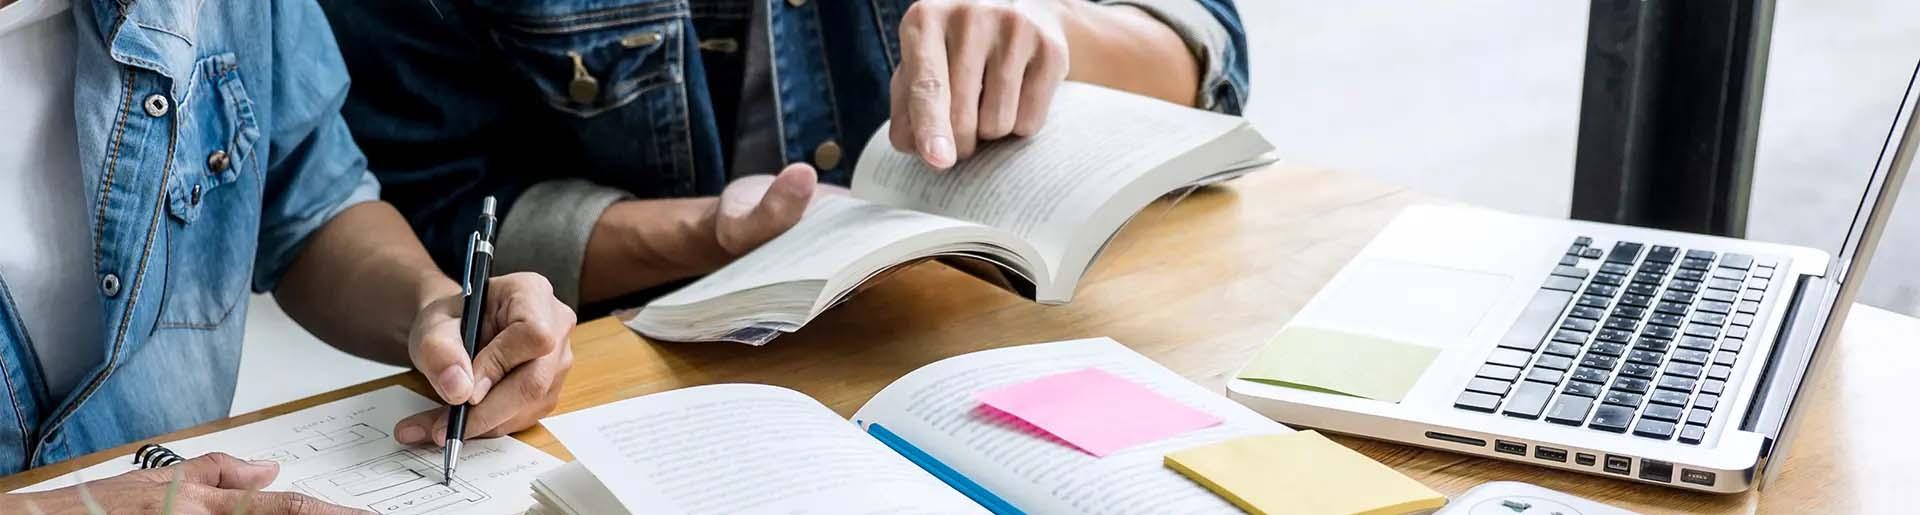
(454, 100)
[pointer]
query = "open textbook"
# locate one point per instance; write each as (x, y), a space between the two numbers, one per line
(342, 452)
(920, 446)
(1036, 211)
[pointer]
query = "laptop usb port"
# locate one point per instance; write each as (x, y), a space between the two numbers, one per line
(1519, 449)
(1619, 464)
(1549, 453)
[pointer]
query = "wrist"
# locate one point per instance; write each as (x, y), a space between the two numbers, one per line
(430, 285)
(636, 244)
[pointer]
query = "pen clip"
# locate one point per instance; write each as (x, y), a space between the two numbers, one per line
(466, 273)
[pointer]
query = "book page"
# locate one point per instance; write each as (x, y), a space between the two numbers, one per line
(343, 452)
(935, 409)
(746, 449)
(1043, 188)
(834, 233)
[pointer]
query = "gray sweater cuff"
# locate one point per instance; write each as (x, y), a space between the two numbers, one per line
(1206, 38)
(546, 232)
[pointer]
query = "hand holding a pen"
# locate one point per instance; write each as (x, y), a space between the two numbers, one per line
(513, 380)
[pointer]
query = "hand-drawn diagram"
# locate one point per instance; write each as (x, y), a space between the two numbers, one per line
(399, 483)
(319, 443)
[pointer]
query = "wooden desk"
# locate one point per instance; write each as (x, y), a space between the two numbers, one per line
(1198, 287)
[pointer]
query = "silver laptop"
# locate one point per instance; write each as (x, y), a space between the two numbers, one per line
(1640, 354)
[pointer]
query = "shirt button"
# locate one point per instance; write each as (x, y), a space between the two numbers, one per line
(157, 105)
(827, 155)
(796, 3)
(195, 197)
(217, 161)
(110, 285)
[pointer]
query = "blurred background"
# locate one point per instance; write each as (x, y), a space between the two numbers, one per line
(1477, 101)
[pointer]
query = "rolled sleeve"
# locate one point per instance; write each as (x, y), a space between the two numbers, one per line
(1214, 34)
(547, 229)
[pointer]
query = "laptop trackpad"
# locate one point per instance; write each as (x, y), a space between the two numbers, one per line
(1409, 302)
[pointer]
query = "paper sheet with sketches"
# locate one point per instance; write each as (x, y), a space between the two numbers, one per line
(343, 452)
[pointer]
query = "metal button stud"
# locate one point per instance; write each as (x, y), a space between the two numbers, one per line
(584, 87)
(157, 105)
(797, 3)
(827, 155)
(218, 161)
(194, 196)
(110, 285)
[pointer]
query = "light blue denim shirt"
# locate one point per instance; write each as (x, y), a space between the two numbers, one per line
(211, 147)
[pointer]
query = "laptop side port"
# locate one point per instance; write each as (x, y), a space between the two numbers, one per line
(1550, 454)
(1514, 448)
(1655, 470)
(1476, 442)
(1619, 464)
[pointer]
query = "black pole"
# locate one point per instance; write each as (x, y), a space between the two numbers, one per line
(1669, 111)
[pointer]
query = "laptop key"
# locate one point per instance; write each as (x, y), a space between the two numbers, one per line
(1578, 324)
(1582, 240)
(1662, 254)
(1631, 384)
(1536, 319)
(1758, 284)
(1640, 370)
(1615, 268)
(1703, 331)
(1610, 279)
(1729, 273)
(1622, 323)
(1719, 296)
(1562, 349)
(1700, 254)
(1655, 429)
(1591, 375)
(1696, 264)
(1489, 386)
(1545, 375)
(1510, 357)
(1739, 319)
(1477, 401)
(1720, 372)
(1627, 252)
(1659, 332)
(1723, 284)
(1732, 344)
(1713, 386)
(1549, 361)
(1582, 388)
(1752, 295)
(1649, 343)
(1568, 336)
(1713, 319)
(1687, 370)
(1570, 410)
(1599, 361)
(1643, 289)
(1673, 382)
(1569, 260)
(1696, 343)
(1668, 397)
(1614, 349)
(1660, 269)
(1715, 307)
(1688, 274)
(1740, 261)
(1677, 296)
(1570, 271)
(1610, 417)
(1649, 278)
(1566, 284)
(1590, 253)
(1621, 398)
(1528, 400)
(1684, 285)
(1684, 356)
(1614, 335)
(1645, 357)
(1603, 290)
(1662, 412)
(1750, 306)
(1666, 319)
(1707, 402)
(1636, 300)
(1630, 312)
(1692, 434)
(1699, 416)
(1725, 357)
(1587, 312)
(1672, 308)
(1501, 372)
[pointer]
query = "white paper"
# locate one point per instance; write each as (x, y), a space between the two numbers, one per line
(746, 449)
(936, 409)
(343, 452)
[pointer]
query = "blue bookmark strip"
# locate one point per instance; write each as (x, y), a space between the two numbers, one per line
(940, 470)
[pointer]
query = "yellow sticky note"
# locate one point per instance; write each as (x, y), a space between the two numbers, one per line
(1340, 362)
(1304, 473)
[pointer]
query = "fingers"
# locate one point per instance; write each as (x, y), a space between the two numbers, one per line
(288, 503)
(968, 45)
(527, 393)
(923, 61)
(438, 352)
(530, 323)
(417, 429)
(220, 470)
(1001, 84)
(785, 200)
(1043, 75)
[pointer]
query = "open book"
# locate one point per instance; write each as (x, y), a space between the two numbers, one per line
(1039, 209)
(920, 446)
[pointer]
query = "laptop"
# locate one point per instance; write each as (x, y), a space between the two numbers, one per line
(1640, 354)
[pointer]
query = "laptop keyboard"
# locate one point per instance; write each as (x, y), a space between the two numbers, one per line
(1652, 334)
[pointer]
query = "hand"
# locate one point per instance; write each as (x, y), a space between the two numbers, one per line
(972, 71)
(513, 381)
(214, 483)
(756, 208)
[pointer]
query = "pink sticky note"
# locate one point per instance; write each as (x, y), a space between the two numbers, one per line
(1096, 411)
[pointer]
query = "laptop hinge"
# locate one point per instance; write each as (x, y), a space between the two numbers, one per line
(1794, 353)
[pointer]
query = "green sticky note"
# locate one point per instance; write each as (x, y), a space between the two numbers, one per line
(1339, 362)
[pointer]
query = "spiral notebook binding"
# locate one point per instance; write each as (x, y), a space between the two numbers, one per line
(155, 456)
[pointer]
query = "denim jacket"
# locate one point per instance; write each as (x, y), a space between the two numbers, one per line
(568, 105)
(211, 146)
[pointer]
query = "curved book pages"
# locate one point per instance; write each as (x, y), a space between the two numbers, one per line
(1027, 214)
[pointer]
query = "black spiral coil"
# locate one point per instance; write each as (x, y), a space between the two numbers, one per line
(154, 456)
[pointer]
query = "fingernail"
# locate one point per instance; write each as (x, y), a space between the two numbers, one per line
(264, 463)
(480, 388)
(940, 151)
(411, 434)
(455, 380)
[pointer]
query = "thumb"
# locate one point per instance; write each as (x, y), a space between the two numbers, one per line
(786, 199)
(439, 354)
(222, 470)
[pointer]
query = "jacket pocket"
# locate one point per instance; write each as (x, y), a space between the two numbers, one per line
(587, 62)
(213, 198)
